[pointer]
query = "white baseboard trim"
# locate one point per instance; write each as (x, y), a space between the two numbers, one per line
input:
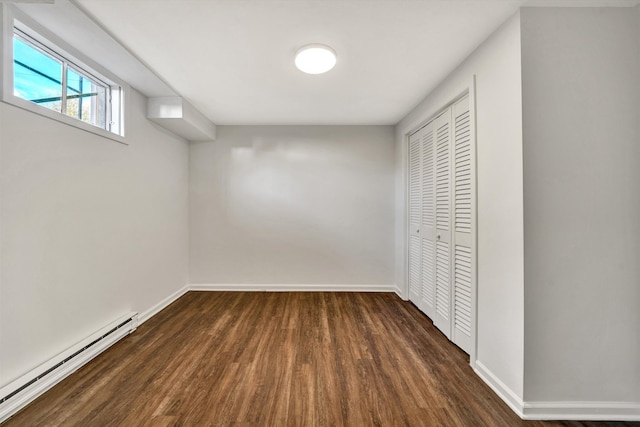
(501, 389)
(400, 293)
(22, 391)
(587, 411)
(55, 374)
(146, 315)
(291, 288)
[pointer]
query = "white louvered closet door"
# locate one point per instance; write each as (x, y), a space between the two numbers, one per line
(442, 259)
(442, 129)
(428, 227)
(463, 246)
(415, 217)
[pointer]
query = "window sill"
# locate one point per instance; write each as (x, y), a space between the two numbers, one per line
(70, 121)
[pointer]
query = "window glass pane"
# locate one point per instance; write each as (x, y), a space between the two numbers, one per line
(86, 99)
(37, 76)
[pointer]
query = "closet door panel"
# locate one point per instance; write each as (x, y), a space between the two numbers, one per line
(442, 129)
(463, 307)
(415, 218)
(428, 227)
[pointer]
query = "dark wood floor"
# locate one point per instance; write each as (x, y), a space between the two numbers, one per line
(278, 359)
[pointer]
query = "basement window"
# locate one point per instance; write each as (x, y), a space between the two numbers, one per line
(45, 79)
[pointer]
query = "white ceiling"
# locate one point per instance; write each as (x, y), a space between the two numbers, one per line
(233, 59)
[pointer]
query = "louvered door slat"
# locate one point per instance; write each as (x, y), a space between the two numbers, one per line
(462, 291)
(462, 172)
(428, 259)
(428, 208)
(443, 178)
(414, 264)
(442, 280)
(414, 181)
(464, 296)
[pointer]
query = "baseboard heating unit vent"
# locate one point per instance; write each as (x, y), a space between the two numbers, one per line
(19, 393)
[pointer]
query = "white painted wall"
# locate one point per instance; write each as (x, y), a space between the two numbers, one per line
(496, 65)
(90, 229)
(303, 205)
(581, 80)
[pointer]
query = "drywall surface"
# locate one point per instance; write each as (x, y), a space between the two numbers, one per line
(302, 205)
(90, 230)
(581, 74)
(496, 66)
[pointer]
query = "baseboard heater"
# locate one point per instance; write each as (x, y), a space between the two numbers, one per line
(19, 393)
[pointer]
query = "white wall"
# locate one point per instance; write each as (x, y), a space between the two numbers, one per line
(90, 230)
(581, 80)
(496, 65)
(303, 205)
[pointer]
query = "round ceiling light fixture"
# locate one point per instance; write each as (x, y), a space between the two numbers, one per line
(315, 58)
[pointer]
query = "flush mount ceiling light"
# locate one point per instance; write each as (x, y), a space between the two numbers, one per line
(315, 58)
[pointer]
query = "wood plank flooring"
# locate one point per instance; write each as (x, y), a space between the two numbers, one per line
(278, 359)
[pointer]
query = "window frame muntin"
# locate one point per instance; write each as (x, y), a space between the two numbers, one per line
(107, 88)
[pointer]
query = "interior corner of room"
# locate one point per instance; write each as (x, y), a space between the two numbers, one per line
(501, 197)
